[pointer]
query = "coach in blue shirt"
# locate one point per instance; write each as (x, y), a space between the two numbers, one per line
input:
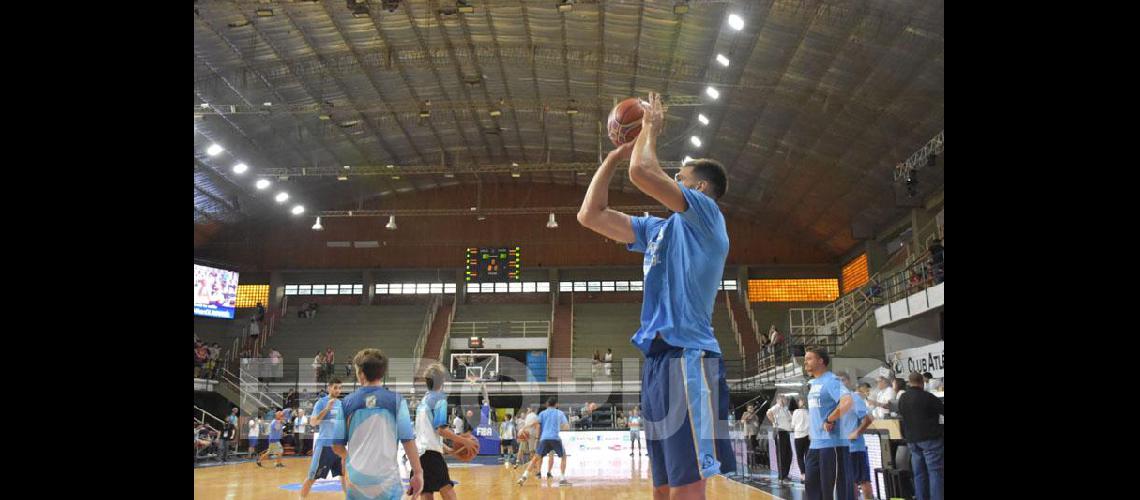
(828, 476)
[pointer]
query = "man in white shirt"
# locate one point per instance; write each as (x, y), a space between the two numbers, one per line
(530, 425)
(882, 399)
(781, 421)
(457, 424)
(254, 431)
(300, 431)
(609, 361)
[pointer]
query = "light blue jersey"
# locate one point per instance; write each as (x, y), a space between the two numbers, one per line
(853, 419)
(683, 267)
(824, 396)
(552, 420)
(377, 422)
(332, 426)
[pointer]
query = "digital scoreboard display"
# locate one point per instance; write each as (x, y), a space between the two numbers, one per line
(493, 265)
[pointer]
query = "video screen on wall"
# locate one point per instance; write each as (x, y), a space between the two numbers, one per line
(215, 292)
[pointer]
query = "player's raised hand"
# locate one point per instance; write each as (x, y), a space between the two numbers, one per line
(654, 113)
(623, 152)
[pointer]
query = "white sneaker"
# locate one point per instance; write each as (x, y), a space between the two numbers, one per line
(522, 480)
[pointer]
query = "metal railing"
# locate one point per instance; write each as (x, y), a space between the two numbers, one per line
(202, 418)
(502, 328)
(732, 319)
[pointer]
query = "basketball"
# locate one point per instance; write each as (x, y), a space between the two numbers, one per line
(625, 121)
(466, 453)
(524, 435)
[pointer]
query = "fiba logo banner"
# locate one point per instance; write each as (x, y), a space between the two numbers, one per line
(485, 431)
(928, 358)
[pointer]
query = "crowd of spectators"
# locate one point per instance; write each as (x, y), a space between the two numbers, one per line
(207, 359)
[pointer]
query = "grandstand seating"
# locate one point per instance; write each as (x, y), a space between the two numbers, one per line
(347, 329)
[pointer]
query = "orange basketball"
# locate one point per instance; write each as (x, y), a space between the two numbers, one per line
(625, 121)
(465, 449)
(524, 435)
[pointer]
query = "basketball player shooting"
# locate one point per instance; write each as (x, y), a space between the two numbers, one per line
(683, 267)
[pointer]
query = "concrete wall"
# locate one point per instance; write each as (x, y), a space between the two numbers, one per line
(912, 332)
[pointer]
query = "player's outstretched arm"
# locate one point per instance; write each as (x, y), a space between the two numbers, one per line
(595, 213)
(644, 170)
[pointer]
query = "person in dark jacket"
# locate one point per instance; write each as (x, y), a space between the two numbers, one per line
(922, 429)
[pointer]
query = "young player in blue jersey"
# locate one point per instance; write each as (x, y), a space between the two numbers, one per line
(376, 419)
(853, 428)
(551, 421)
(328, 419)
(683, 267)
(274, 450)
(828, 462)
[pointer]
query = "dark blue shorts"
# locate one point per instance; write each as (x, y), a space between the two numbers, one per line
(548, 445)
(323, 461)
(685, 406)
(860, 467)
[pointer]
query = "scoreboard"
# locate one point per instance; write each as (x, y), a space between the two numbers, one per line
(491, 265)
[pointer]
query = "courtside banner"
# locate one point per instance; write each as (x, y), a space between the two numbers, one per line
(928, 358)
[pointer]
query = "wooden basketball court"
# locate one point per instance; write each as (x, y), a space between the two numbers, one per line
(618, 478)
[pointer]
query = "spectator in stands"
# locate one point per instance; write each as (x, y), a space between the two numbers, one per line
(781, 421)
(774, 339)
(291, 398)
(229, 432)
(596, 364)
(609, 361)
(800, 420)
(318, 366)
(873, 291)
(329, 357)
(762, 340)
(260, 315)
(751, 422)
(201, 356)
(210, 436)
(303, 311)
(915, 282)
(312, 312)
(254, 329)
(881, 400)
(936, 258)
(920, 412)
(274, 356)
(619, 422)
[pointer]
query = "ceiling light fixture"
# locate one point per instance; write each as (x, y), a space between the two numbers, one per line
(713, 93)
(695, 140)
(264, 12)
(681, 7)
(342, 177)
(298, 209)
(464, 7)
(240, 168)
(565, 5)
(281, 197)
(551, 223)
(214, 150)
(391, 226)
(318, 226)
(722, 60)
(736, 22)
(686, 160)
(262, 183)
(703, 119)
